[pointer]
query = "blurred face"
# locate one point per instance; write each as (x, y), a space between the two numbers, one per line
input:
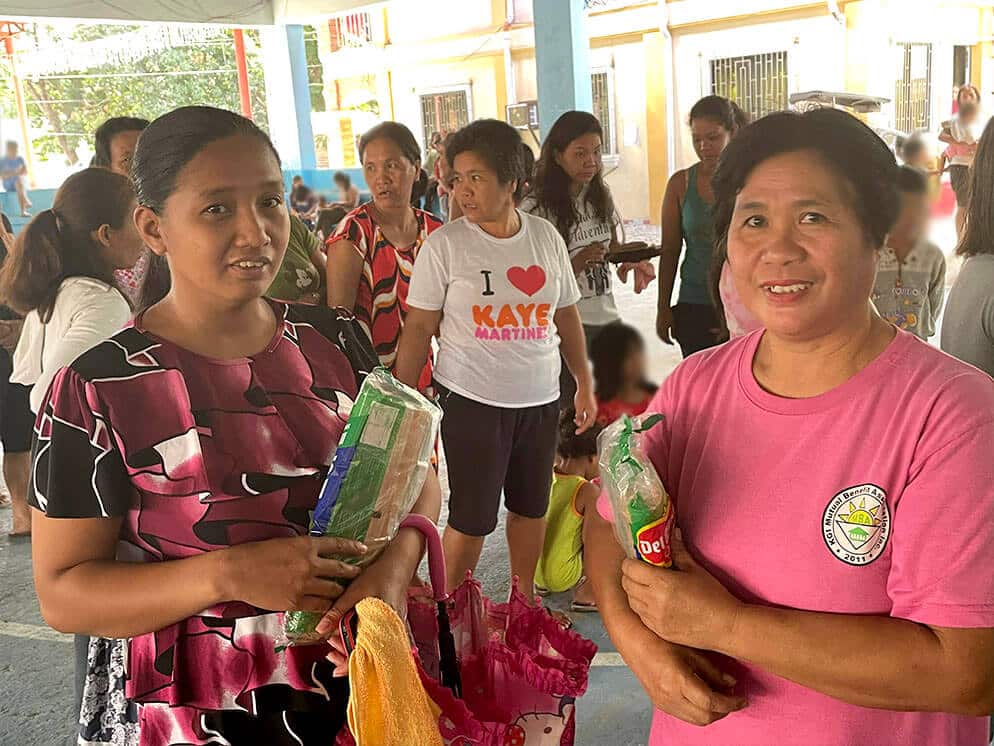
(389, 174)
(967, 95)
(800, 258)
(12, 150)
(122, 149)
(912, 220)
(481, 196)
(710, 138)
(633, 369)
(581, 159)
(225, 228)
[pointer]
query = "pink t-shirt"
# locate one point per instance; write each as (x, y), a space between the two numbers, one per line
(874, 498)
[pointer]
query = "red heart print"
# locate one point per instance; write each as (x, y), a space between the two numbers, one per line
(528, 281)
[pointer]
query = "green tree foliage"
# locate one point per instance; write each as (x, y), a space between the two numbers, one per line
(72, 105)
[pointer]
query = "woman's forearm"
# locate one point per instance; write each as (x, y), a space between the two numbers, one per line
(134, 598)
(412, 353)
(669, 260)
(871, 661)
(407, 548)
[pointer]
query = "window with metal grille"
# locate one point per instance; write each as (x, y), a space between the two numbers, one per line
(756, 82)
(447, 112)
(913, 97)
(601, 90)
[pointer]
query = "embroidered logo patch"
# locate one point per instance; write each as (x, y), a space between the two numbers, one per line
(856, 524)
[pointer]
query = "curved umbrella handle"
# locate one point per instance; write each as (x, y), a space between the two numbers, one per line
(436, 557)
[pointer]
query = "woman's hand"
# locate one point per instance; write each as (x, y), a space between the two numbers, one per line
(683, 682)
(683, 604)
(379, 580)
(592, 254)
(665, 328)
(645, 273)
(585, 406)
(294, 574)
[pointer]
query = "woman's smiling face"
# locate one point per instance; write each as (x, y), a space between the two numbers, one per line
(801, 259)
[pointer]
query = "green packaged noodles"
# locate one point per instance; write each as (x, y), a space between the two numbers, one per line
(378, 471)
(643, 513)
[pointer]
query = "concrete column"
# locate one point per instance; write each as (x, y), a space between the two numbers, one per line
(288, 98)
(562, 60)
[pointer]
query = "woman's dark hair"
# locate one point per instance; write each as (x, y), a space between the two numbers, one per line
(570, 444)
(551, 187)
(341, 177)
(164, 149)
(911, 180)
(608, 352)
(495, 142)
(963, 89)
(978, 233)
(396, 133)
(106, 133)
(528, 165)
(724, 111)
(328, 220)
(853, 151)
(57, 243)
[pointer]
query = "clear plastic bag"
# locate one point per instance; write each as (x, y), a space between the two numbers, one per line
(643, 513)
(376, 476)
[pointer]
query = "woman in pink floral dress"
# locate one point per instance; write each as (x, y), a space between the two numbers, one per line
(175, 466)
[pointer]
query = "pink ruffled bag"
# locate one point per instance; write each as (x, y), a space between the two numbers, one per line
(511, 672)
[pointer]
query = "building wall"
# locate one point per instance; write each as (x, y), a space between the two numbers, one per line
(815, 49)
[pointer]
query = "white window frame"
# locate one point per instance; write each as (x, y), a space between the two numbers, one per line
(611, 154)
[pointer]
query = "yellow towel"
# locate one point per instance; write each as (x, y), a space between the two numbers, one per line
(388, 705)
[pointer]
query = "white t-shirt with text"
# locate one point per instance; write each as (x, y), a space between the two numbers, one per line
(498, 342)
(597, 306)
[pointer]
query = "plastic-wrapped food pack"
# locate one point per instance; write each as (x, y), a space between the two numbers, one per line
(376, 476)
(643, 513)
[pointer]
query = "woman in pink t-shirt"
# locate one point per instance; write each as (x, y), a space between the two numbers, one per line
(832, 478)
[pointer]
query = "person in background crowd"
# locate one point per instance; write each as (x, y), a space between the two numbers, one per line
(961, 134)
(915, 152)
(686, 220)
(16, 420)
(443, 174)
(114, 144)
(304, 204)
(13, 176)
(911, 270)
(569, 191)
(327, 224)
(573, 494)
(60, 276)
(852, 620)
(431, 159)
(620, 380)
(372, 253)
(171, 540)
(300, 278)
(528, 159)
(968, 321)
(348, 193)
(496, 290)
